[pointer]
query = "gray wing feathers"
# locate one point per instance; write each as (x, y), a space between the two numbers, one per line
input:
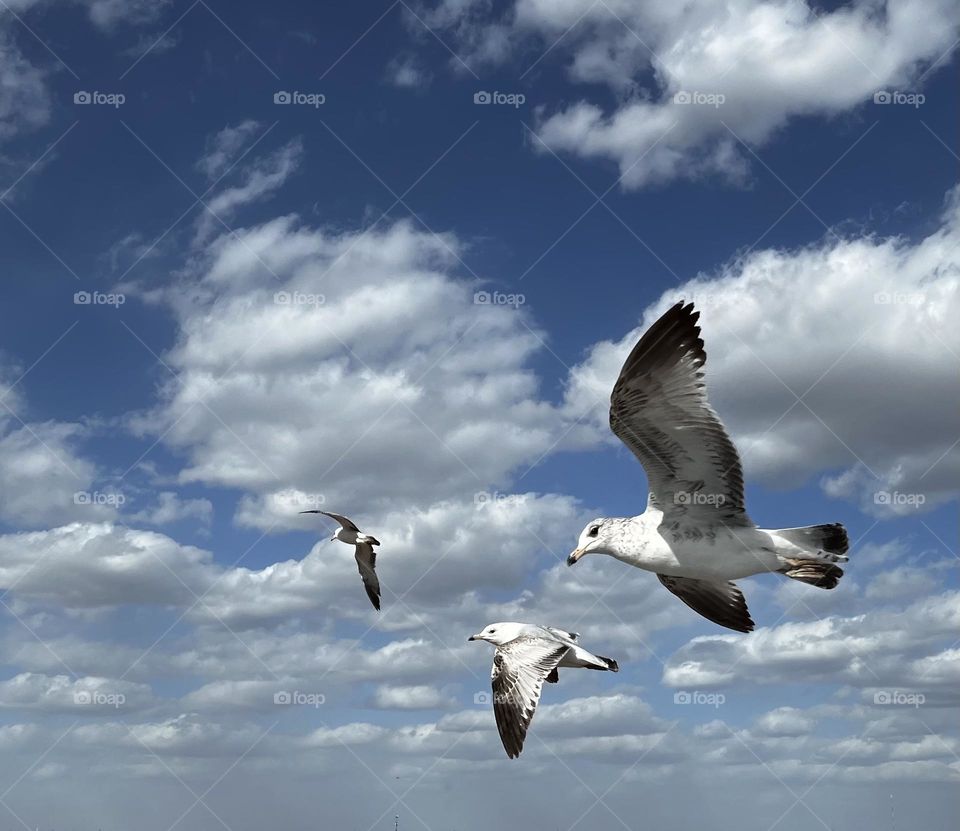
(366, 563)
(659, 410)
(519, 670)
(342, 520)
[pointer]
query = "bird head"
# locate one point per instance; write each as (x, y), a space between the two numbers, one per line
(498, 633)
(591, 540)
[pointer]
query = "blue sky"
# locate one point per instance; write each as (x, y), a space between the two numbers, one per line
(155, 453)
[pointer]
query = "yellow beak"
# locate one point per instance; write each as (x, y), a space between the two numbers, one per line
(576, 555)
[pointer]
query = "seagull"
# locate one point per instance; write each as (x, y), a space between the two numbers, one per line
(695, 533)
(365, 555)
(526, 656)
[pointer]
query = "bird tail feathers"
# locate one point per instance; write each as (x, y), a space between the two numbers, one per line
(831, 538)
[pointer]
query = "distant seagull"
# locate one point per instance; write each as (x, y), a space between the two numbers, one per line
(526, 656)
(695, 533)
(365, 555)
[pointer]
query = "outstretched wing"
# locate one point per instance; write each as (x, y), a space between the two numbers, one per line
(659, 409)
(366, 562)
(342, 520)
(519, 670)
(719, 601)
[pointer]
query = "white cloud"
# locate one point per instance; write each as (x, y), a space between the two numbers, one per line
(24, 99)
(351, 366)
(830, 324)
(225, 148)
(81, 696)
(417, 697)
(904, 648)
(785, 721)
(171, 508)
(43, 479)
(107, 14)
(407, 73)
(101, 565)
(439, 558)
(261, 178)
(771, 60)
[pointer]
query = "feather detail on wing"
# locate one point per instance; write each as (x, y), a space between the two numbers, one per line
(519, 669)
(366, 563)
(659, 409)
(719, 601)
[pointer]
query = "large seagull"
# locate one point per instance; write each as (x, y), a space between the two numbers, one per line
(695, 533)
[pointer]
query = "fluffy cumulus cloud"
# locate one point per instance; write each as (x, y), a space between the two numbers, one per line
(693, 79)
(44, 479)
(310, 363)
(88, 566)
(801, 404)
(888, 648)
(44, 475)
(439, 558)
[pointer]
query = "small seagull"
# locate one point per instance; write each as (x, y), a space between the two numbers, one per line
(526, 656)
(365, 555)
(695, 533)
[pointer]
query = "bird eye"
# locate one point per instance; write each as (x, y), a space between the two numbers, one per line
(593, 531)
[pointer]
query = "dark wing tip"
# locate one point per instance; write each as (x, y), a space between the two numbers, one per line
(721, 603)
(674, 334)
(612, 665)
